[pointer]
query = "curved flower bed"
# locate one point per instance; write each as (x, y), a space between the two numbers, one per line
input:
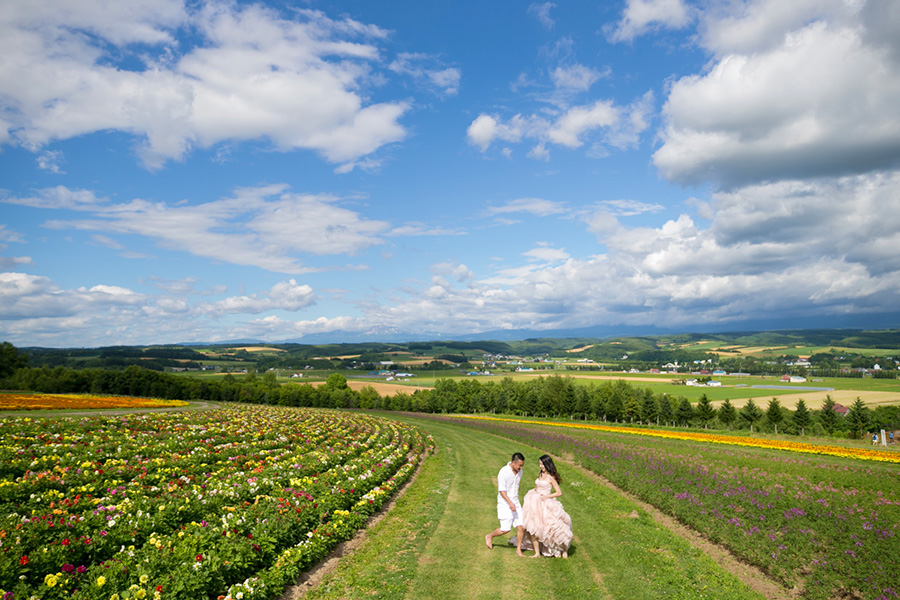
(37, 401)
(231, 503)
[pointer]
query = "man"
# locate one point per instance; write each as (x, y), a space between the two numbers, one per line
(509, 511)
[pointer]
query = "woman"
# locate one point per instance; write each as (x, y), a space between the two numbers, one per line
(544, 518)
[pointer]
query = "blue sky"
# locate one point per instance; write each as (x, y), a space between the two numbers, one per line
(175, 172)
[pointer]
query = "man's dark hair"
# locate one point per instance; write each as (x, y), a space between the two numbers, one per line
(518, 456)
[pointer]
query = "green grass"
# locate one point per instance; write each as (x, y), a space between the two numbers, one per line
(431, 545)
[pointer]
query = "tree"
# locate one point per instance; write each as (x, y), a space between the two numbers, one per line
(10, 360)
(336, 381)
(685, 412)
(751, 413)
(649, 407)
(632, 409)
(582, 402)
(727, 413)
(802, 418)
(705, 411)
(774, 414)
(828, 417)
(859, 418)
(665, 409)
(367, 397)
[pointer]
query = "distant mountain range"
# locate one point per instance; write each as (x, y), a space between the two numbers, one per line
(387, 335)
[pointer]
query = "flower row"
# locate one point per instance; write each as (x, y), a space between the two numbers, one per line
(710, 438)
(11, 401)
(825, 524)
(184, 505)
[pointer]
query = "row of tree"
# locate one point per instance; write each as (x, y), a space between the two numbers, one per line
(553, 396)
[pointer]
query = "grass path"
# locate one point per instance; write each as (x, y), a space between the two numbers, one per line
(431, 545)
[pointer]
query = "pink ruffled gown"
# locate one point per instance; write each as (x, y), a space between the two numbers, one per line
(547, 520)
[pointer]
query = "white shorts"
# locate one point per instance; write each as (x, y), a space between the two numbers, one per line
(508, 519)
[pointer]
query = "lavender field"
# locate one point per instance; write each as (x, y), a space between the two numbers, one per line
(823, 527)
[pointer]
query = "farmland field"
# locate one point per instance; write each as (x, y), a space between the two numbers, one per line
(232, 502)
(35, 401)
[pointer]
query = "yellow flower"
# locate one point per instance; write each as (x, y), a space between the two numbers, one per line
(140, 594)
(144, 578)
(51, 580)
(101, 581)
(114, 597)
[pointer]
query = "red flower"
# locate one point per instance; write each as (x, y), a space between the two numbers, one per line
(159, 588)
(199, 558)
(23, 560)
(65, 542)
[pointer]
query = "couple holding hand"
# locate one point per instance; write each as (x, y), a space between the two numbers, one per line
(542, 516)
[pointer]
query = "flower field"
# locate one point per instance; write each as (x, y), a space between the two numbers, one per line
(829, 526)
(13, 401)
(232, 503)
(711, 438)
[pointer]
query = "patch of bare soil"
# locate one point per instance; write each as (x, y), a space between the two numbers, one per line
(383, 389)
(315, 574)
(748, 574)
(815, 399)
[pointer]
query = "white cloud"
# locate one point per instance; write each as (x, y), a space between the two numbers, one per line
(535, 206)
(266, 227)
(416, 229)
(806, 91)
(9, 235)
(576, 77)
(428, 71)
(641, 16)
(541, 12)
(545, 253)
(572, 127)
(248, 76)
(50, 160)
(287, 295)
(627, 208)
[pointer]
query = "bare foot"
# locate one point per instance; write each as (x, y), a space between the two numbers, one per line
(536, 555)
(489, 541)
(519, 552)
(565, 555)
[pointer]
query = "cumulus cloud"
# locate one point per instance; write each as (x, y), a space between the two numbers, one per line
(286, 295)
(618, 126)
(796, 90)
(37, 310)
(251, 73)
(641, 16)
(576, 77)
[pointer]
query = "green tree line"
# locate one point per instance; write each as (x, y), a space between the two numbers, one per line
(554, 396)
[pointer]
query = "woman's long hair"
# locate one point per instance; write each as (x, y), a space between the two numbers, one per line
(550, 467)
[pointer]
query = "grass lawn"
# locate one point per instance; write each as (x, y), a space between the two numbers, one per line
(431, 545)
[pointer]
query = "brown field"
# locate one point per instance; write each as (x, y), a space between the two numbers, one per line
(259, 349)
(384, 389)
(660, 379)
(422, 361)
(814, 400)
(755, 349)
(582, 349)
